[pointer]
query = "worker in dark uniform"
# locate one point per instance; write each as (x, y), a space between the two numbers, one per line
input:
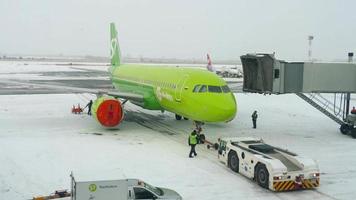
(254, 119)
(192, 141)
(89, 106)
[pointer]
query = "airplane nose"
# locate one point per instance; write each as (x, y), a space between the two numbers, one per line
(229, 109)
(225, 109)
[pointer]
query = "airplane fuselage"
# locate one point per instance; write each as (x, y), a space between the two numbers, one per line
(193, 93)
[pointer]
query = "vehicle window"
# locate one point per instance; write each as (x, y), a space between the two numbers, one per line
(154, 189)
(141, 193)
(214, 89)
(203, 88)
(196, 88)
(225, 89)
(264, 148)
(222, 147)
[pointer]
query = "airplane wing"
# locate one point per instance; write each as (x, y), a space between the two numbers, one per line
(50, 87)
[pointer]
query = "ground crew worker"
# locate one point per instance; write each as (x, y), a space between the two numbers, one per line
(89, 106)
(254, 118)
(192, 141)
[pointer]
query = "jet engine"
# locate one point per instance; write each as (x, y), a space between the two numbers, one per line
(107, 111)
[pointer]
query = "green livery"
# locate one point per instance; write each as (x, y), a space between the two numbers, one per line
(197, 94)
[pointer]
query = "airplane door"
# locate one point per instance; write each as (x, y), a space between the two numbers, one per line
(179, 88)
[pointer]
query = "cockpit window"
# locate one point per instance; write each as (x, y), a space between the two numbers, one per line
(211, 88)
(214, 89)
(225, 89)
(203, 88)
(196, 88)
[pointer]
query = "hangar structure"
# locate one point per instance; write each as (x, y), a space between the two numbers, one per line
(263, 73)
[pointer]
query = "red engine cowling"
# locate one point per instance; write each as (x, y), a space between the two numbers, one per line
(108, 111)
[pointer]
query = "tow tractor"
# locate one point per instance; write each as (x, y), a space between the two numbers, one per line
(271, 167)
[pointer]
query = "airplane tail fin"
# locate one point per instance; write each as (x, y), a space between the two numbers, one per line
(115, 49)
(209, 65)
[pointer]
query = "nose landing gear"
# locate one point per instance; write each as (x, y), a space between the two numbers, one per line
(198, 129)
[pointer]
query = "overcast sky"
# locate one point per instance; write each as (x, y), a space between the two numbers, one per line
(179, 29)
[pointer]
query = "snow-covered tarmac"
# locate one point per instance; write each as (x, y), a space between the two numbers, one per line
(41, 142)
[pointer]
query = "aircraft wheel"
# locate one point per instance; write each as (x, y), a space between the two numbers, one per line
(186, 118)
(216, 146)
(344, 129)
(233, 161)
(178, 117)
(262, 175)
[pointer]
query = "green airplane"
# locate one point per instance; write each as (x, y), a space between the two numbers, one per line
(195, 94)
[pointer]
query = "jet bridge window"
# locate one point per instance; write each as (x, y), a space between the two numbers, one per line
(276, 73)
(214, 89)
(196, 88)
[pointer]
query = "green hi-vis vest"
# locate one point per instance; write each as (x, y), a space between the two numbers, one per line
(193, 139)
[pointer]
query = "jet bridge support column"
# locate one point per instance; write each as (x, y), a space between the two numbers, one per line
(265, 74)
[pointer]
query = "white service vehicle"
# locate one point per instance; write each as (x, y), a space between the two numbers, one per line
(271, 167)
(122, 189)
(234, 72)
(230, 72)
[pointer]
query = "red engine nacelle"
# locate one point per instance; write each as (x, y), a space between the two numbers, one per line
(108, 111)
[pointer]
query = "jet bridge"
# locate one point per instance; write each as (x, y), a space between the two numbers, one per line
(263, 73)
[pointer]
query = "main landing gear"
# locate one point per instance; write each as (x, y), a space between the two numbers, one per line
(198, 129)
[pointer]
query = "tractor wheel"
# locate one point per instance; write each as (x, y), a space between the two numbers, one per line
(178, 117)
(233, 161)
(262, 175)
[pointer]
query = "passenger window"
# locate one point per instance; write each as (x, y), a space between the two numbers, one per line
(225, 89)
(196, 88)
(141, 193)
(214, 89)
(203, 88)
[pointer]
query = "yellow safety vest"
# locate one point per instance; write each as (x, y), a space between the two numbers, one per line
(193, 139)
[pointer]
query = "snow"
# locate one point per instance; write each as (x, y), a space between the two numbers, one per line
(41, 142)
